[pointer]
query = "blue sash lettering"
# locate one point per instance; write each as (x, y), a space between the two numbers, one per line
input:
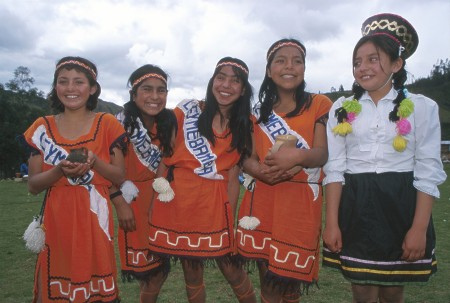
(148, 154)
(198, 145)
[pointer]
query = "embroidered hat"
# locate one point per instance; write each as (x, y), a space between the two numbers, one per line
(396, 28)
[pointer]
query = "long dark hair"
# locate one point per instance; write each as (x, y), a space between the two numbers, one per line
(81, 65)
(268, 93)
(165, 121)
(391, 48)
(239, 123)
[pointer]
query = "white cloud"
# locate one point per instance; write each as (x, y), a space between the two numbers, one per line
(187, 38)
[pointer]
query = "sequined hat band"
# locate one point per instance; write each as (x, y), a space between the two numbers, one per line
(283, 44)
(233, 64)
(395, 27)
(146, 76)
(86, 67)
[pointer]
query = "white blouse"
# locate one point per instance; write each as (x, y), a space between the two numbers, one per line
(369, 147)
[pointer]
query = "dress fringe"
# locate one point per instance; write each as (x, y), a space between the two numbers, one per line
(130, 276)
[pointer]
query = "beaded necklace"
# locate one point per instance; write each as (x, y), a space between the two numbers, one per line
(350, 109)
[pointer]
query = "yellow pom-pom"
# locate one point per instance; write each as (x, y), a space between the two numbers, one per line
(399, 143)
(342, 129)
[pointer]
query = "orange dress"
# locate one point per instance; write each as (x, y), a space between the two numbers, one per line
(288, 236)
(141, 161)
(78, 262)
(198, 222)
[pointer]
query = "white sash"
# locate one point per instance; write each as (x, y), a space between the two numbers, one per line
(196, 144)
(277, 126)
(148, 154)
(53, 154)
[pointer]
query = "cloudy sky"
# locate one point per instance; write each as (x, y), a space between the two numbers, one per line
(187, 38)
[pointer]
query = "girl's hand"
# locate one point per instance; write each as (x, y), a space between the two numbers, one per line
(76, 169)
(91, 159)
(125, 214)
(272, 176)
(282, 161)
(414, 245)
(332, 238)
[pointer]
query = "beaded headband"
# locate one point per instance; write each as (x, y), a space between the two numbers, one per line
(394, 27)
(146, 76)
(282, 44)
(86, 67)
(233, 64)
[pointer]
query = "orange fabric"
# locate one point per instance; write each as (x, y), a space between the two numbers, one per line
(78, 262)
(198, 222)
(135, 256)
(289, 234)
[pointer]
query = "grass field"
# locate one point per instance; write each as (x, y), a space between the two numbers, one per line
(17, 208)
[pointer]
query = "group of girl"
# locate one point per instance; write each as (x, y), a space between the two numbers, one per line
(173, 178)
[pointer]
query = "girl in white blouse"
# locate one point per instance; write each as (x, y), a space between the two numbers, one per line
(383, 170)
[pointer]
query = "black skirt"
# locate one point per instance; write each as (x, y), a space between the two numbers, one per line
(375, 213)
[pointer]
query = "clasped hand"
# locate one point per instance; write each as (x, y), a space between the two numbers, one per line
(280, 166)
(76, 169)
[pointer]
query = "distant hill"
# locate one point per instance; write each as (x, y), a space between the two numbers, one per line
(108, 107)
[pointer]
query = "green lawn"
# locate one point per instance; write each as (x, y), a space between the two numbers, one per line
(17, 208)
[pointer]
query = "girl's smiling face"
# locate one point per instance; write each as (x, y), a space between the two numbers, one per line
(73, 89)
(287, 68)
(373, 70)
(227, 87)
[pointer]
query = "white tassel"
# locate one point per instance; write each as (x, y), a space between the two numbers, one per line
(248, 182)
(129, 191)
(162, 187)
(249, 222)
(34, 236)
(166, 197)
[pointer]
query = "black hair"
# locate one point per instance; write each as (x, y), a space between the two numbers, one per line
(239, 122)
(165, 120)
(391, 48)
(268, 93)
(91, 74)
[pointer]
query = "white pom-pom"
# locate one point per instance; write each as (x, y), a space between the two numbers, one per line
(249, 222)
(129, 191)
(161, 185)
(167, 196)
(34, 236)
(249, 183)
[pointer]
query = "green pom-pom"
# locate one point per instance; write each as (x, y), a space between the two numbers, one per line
(352, 106)
(406, 108)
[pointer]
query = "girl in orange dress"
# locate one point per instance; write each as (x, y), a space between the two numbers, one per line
(285, 198)
(197, 224)
(149, 126)
(77, 262)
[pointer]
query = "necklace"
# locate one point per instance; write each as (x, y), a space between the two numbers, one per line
(350, 109)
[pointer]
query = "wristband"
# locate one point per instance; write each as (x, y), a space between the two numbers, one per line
(115, 194)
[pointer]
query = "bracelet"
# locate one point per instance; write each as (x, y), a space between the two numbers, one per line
(115, 194)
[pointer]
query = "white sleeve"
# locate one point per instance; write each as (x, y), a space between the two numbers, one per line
(428, 168)
(337, 156)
